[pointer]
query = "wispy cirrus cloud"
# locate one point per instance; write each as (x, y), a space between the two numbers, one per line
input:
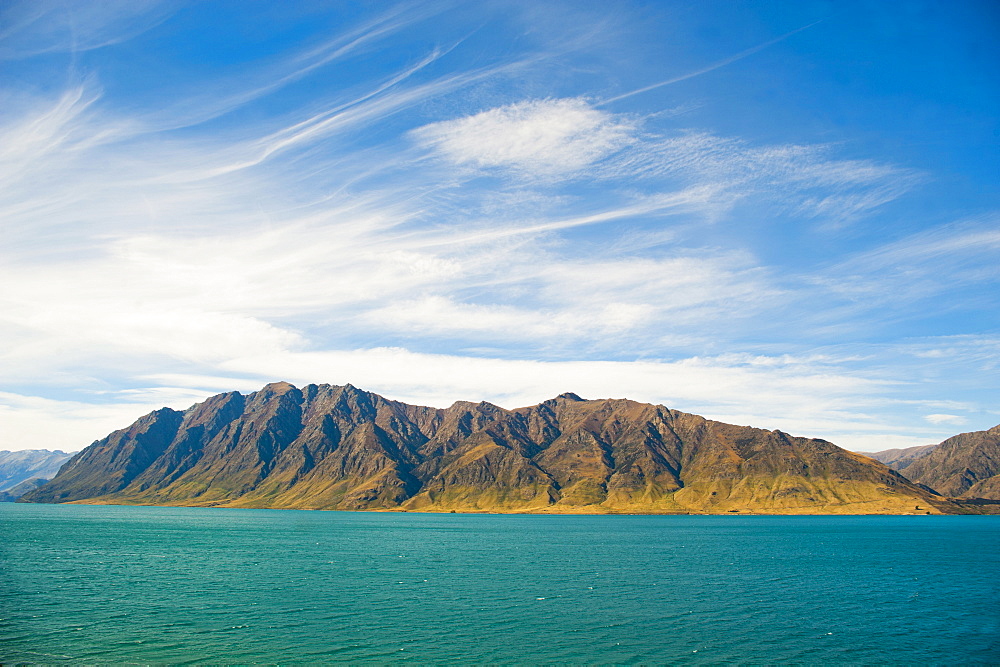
(554, 303)
(46, 26)
(237, 266)
(806, 180)
(435, 231)
(573, 138)
(229, 93)
(922, 266)
(710, 68)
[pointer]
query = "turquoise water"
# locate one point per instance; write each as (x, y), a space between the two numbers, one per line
(152, 584)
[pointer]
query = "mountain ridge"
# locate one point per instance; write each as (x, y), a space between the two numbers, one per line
(897, 459)
(966, 465)
(20, 470)
(339, 447)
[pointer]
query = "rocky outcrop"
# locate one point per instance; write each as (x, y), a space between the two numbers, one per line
(338, 447)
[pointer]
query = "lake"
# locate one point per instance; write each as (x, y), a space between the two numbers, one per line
(184, 585)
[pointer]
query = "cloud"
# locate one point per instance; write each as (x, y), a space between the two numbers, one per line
(572, 138)
(229, 93)
(34, 27)
(808, 396)
(156, 250)
(952, 245)
(945, 419)
(819, 395)
(549, 138)
(923, 266)
(714, 66)
(153, 265)
(717, 384)
(444, 317)
(805, 181)
(35, 422)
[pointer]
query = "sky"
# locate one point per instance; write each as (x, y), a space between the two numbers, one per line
(781, 214)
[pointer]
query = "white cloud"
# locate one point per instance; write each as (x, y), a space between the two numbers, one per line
(34, 422)
(539, 137)
(442, 316)
(223, 257)
(812, 396)
(945, 419)
(558, 302)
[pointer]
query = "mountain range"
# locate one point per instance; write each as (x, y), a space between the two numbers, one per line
(24, 470)
(900, 458)
(338, 447)
(964, 466)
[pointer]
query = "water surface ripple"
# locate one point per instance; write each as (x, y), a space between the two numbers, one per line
(184, 585)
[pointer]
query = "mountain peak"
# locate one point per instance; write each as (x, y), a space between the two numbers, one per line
(280, 387)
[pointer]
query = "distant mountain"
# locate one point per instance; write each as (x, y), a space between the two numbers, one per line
(897, 459)
(964, 466)
(20, 466)
(333, 447)
(13, 493)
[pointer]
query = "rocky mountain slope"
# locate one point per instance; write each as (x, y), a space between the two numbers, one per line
(964, 466)
(20, 470)
(333, 447)
(897, 459)
(13, 493)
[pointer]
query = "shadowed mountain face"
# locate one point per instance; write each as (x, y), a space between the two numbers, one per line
(964, 466)
(13, 493)
(332, 447)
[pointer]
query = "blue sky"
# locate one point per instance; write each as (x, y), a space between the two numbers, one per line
(782, 214)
